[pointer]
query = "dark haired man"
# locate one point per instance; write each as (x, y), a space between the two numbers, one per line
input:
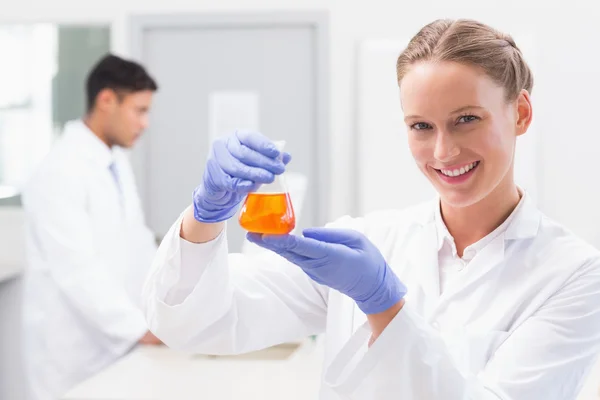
(88, 245)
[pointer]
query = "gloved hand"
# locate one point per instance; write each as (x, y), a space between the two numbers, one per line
(344, 260)
(237, 165)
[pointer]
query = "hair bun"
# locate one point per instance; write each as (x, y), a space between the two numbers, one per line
(510, 41)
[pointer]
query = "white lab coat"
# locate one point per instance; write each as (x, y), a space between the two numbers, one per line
(521, 321)
(88, 253)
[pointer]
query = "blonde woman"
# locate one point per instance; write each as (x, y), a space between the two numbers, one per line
(475, 295)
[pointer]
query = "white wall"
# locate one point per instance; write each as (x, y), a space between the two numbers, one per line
(568, 81)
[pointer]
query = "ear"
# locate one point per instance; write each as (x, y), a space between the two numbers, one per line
(106, 99)
(524, 112)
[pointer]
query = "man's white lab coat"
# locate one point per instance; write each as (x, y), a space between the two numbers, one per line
(520, 322)
(88, 252)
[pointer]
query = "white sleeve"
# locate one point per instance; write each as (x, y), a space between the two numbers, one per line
(201, 299)
(546, 357)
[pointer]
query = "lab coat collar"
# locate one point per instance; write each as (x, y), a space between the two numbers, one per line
(87, 143)
(424, 254)
(525, 224)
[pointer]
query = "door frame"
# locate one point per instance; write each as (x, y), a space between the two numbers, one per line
(317, 21)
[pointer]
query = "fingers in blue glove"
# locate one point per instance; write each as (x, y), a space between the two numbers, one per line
(346, 237)
(237, 185)
(277, 244)
(262, 145)
(253, 158)
(236, 169)
(258, 142)
(299, 245)
(304, 247)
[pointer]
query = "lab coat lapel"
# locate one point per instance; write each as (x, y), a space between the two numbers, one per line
(484, 262)
(417, 267)
(524, 226)
(92, 149)
(423, 261)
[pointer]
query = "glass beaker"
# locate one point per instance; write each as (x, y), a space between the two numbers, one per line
(269, 210)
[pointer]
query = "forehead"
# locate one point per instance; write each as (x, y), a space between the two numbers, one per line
(139, 97)
(431, 87)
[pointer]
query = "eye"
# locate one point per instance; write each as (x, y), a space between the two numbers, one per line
(419, 126)
(467, 118)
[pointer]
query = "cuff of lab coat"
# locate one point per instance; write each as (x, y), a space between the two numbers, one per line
(189, 262)
(188, 278)
(381, 371)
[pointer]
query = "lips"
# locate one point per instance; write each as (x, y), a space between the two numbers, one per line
(459, 171)
(458, 174)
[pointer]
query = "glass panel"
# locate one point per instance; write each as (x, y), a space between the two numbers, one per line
(42, 86)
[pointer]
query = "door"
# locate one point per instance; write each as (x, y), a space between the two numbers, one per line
(219, 73)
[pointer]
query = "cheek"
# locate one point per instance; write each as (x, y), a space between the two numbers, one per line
(133, 119)
(420, 150)
(498, 142)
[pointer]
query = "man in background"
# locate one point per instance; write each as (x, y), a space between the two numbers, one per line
(88, 246)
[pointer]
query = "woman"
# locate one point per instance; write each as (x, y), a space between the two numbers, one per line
(476, 295)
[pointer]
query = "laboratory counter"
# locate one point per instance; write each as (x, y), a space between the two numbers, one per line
(158, 373)
(12, 266)
(12, 242)
(9, 271)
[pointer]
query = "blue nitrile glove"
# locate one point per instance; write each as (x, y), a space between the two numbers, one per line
(237, 165)
(342, 259)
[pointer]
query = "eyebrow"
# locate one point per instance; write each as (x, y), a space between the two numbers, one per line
(466, 108)
(453, 112)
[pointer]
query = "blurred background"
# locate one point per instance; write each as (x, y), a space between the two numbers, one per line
(318, 74)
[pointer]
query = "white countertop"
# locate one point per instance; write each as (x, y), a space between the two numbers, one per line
(591, 387)
(9, 271)
(12, 242)
(159, 373)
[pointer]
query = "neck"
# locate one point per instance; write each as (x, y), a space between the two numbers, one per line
(94, 124)
(468, 225)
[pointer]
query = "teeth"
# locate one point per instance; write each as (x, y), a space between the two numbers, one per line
(458, 172)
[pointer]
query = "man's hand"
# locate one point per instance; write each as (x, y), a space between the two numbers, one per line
(150, 339)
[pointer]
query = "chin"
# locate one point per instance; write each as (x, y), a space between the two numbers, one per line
(128, 145)
(460, 200)
(460, 197)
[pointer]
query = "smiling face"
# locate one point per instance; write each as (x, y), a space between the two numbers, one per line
(461, 129)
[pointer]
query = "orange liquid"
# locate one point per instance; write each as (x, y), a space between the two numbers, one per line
(270, 213)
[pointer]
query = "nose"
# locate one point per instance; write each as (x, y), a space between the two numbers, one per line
(446, 147)
(144, 122)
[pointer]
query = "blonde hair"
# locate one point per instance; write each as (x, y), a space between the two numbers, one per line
(473, 43)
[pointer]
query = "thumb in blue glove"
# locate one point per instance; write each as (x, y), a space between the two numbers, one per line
(342, 259)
